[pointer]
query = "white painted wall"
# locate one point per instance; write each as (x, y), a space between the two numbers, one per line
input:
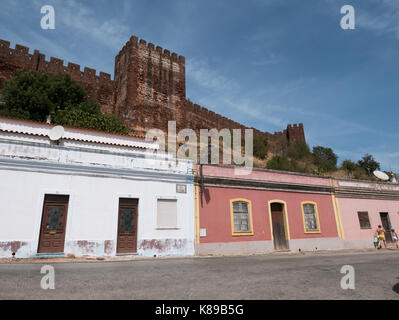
(92, 211)
(31, 167)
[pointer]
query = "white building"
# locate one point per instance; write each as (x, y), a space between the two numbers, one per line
(91, 194)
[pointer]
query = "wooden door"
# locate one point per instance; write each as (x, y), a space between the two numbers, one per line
(278, 226)
(127, 226)
(386, 225)
(53, 226)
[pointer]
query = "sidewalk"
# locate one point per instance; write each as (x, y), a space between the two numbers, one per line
(138, 258)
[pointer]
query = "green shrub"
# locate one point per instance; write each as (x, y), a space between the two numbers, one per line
(349, 166)
(283, 163)
(299, 151)
(80, 118)
(261, 147)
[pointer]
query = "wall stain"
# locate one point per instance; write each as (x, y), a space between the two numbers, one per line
(163, 245)
(12, 246)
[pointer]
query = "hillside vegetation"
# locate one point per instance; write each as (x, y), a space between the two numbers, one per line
(320, 161)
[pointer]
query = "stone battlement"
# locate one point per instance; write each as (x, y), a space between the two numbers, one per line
(21, 57)
(149, 86)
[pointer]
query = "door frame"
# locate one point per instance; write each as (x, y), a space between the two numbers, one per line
(116, 217)
(285, 216)
(117, 224)
(390, 226)
(39, 213)
(42, 212)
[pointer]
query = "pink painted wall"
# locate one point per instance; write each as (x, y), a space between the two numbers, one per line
(215, 214)
(216, 171)
(350, 221)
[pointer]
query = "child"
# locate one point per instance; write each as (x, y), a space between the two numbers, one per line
(395, 238)
(375, 241)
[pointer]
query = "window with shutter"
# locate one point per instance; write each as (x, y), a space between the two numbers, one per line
(241, 217)
(167, 214)
(310, 217)
(364, 220)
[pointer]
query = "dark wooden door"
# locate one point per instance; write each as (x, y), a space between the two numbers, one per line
(278, 225)
(127, 226)
(386, 225)
(53, 226)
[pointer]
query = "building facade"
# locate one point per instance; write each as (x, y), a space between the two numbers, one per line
(249, 211)
(364, 205)
(256, 211)
(91, 194)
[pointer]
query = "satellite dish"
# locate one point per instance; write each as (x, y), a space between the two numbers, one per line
(56, 133)
(381, 175)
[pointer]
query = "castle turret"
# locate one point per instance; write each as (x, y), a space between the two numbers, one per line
(146, 79)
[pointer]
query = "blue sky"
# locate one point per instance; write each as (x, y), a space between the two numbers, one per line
(263, 63)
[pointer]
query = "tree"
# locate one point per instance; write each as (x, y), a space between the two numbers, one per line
(324, 158)
(26, 96)
(260, 147)
(349, 166)
(368, 164)
(36, 96)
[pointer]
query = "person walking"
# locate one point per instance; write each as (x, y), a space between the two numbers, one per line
(395, 238)
(380, 232)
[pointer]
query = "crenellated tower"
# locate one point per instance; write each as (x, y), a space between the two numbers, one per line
(148, 90)
(150, 82)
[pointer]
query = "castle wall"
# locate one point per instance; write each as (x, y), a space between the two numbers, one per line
(149, 89)
(99, 87)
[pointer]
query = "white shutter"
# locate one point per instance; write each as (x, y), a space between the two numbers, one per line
(167, 213)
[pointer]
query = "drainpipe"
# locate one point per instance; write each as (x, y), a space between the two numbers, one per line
(337, 211)
(201, 183)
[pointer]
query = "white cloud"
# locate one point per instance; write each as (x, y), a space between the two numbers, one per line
(79, 18)
(201, 73)
(225, 95)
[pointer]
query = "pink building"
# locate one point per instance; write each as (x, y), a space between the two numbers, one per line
(256, 211)
(363, 206)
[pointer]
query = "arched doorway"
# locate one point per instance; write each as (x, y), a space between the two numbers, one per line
(278, 225)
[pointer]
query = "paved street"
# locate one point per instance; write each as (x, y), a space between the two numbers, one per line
(275, 276)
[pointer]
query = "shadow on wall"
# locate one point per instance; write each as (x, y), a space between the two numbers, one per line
(207, 196)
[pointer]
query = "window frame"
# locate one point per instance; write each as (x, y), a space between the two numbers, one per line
(233, 233)
(177, 214)
(368, 218)
(317, 217)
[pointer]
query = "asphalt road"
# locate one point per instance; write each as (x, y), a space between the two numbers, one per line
(279, 276)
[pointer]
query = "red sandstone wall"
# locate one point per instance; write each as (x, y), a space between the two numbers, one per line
(98, 87)
(149, 87)
(150, 83)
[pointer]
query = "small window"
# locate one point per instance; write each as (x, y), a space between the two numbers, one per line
(310, 217)
(241, 218)
(167, 214)
(364, 220)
